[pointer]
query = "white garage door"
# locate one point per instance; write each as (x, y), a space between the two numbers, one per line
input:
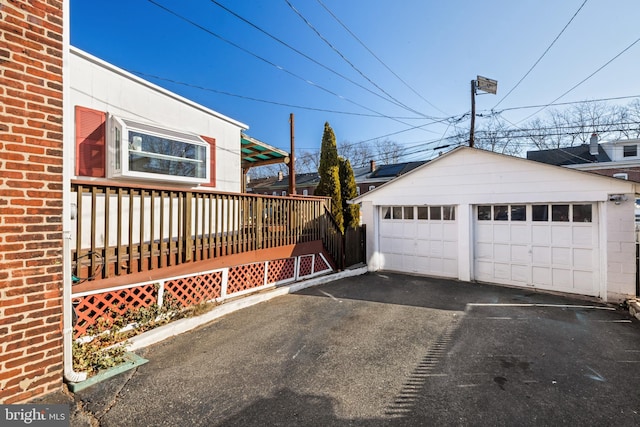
(419, 239)
(547, 246)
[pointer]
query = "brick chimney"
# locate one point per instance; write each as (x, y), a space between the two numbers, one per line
(372, 165)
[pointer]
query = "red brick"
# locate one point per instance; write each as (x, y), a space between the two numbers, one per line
(9, 374)
(25, 290)
(27, 131)
(18, 103)
(23, 309)
(46, 346)
(12, 119)
(11, 302)
(11, 83)
(11, 211)
(24, 255)
(5, 356)
(24, 344)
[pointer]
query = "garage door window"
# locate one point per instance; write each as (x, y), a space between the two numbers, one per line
(408, 212)
(433, 213)
(581, 213)
(518, 213)
(560, 213)
(540, 212)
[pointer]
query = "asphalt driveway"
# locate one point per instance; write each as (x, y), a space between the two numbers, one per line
(389, 349)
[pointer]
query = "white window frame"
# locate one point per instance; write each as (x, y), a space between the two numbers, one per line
(119, 146)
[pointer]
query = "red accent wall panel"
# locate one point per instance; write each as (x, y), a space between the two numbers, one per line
(90, 142)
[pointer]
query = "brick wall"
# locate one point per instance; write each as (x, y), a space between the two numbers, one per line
(30, 198)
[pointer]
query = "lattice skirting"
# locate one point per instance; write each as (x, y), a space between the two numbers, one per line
(105, 306)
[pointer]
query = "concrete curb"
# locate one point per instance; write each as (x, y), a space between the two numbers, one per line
(634, 308)
(184, 325)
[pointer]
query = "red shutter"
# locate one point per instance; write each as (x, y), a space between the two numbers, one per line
(212, 161)
(90, 142)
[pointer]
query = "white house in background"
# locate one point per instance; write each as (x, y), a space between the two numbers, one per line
(128, 129)
(475, 215)
(619, 159)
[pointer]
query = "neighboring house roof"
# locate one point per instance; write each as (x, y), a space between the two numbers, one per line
(579, 154)
(363, 174)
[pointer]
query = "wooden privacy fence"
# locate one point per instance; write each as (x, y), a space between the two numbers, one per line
(123, 229)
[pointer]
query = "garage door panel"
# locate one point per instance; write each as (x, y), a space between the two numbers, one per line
(501, 233)
(484, 251)
(520, 254)
(484, 270)
(541, 255)
(583, 258)
(450, 250)
(541, 276)
(450, 232)
(436, 232)
(540, 235)
(582, 236)
(561, 278)
(520, 273)
(560, 235)
(583, 281)
(501, 252)
(422, 247)
(502, 271)
(520, 234)
(484, 233)
(450, 267)
(561, 256)
(435, 249)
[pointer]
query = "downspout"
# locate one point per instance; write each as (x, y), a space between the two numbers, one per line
(67, 321)
(68, 155)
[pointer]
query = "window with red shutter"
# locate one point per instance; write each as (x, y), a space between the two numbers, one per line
(90, 142)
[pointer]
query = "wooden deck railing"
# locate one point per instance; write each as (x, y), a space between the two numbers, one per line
(124, 229)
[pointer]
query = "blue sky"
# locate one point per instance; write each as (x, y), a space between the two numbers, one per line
(433, 49)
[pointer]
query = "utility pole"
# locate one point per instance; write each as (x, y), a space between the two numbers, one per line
(486, 85)
(473, 113)
(292, 168)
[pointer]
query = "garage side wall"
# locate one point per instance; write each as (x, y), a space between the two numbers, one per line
(621, 250)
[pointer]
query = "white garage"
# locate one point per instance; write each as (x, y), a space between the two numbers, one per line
(479, 216)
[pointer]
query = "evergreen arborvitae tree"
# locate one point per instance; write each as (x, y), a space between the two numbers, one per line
(348, 188)
(328, 170)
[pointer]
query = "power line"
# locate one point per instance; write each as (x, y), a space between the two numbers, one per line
(584, 80)
(271, 63)
(375, 56)
(543, 54)
(324, 39)
(617, 98)
(226, 9)
(265, 101)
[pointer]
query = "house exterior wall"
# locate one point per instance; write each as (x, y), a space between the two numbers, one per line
(100, 86)
(469, 177)
(620, 250)
(31, 208)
